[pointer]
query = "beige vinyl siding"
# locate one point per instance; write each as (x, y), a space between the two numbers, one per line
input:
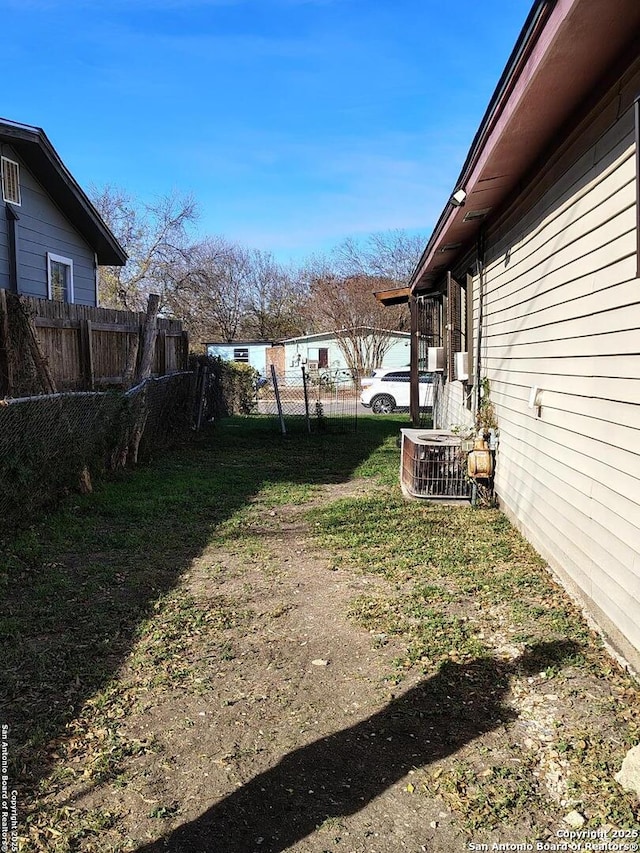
(559, 259)
(562, 312)
(585, 367)
(557, 537)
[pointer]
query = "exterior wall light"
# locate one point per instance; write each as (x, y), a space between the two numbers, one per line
(458, 198)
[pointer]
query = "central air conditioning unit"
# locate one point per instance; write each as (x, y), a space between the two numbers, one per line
(433, 465)
(435, 359)
(461, 366)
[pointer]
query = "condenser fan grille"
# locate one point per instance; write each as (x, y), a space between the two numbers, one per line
(434, 465)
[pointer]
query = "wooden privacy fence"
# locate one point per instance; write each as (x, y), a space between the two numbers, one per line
(78, 347)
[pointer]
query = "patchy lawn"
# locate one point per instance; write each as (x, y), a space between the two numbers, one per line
(256, 644)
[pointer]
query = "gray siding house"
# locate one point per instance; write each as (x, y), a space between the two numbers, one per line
(529, 287)
(52, 239)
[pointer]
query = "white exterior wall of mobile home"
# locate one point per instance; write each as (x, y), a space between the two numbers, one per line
(562, 312)
(298, 349)
(399, 354)
(257, 353)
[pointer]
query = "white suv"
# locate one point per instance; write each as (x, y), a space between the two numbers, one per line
(386, 390)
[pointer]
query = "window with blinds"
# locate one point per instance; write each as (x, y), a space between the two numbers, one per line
(60, 278)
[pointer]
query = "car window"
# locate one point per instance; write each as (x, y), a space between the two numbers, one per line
(404, 376)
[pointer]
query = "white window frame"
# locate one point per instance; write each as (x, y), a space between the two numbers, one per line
(16, 165)
(68, 263)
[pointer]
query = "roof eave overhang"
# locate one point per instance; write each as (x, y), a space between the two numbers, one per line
(558, 60)
(41, 158)
(395, 296)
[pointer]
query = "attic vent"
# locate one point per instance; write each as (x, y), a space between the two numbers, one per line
(10, 181)
(450, 247)
(476, 214)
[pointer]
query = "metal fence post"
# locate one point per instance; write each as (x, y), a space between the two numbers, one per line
(274, 378)
(203, 394)
(306, 399)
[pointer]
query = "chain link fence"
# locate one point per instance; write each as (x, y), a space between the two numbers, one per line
(320, 400)
(53, 444)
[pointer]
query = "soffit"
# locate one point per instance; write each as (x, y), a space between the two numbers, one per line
(581, 40)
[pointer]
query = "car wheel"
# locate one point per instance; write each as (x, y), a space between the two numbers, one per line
(383, 404)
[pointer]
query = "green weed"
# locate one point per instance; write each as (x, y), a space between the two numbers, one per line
(95, 612)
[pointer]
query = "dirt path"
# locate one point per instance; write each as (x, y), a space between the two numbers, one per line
(255, 715)
(271, 739)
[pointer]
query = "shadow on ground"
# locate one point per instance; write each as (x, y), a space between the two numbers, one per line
(337, 776)
(77, 586)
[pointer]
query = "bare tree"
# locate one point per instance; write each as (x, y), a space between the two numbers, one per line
(388, 255)
(213, 298)
(275, 299)
(155, 236)
(232, 291)
(342, 297)
(221, 289)
(346, 306)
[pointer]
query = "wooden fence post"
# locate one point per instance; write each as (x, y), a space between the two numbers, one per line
(39, 359)
(184, 365)
(128, 377)
(149, 337)
(161, 346)
(6, 388)
(86, 354)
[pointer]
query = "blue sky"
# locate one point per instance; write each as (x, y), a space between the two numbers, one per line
(294, 123)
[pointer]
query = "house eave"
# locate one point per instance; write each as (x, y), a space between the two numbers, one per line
(558, 60)
(395, 296)
(40, 157)
(351, 330)
(240, 343)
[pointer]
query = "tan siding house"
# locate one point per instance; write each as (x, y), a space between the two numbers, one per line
(551, 270)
